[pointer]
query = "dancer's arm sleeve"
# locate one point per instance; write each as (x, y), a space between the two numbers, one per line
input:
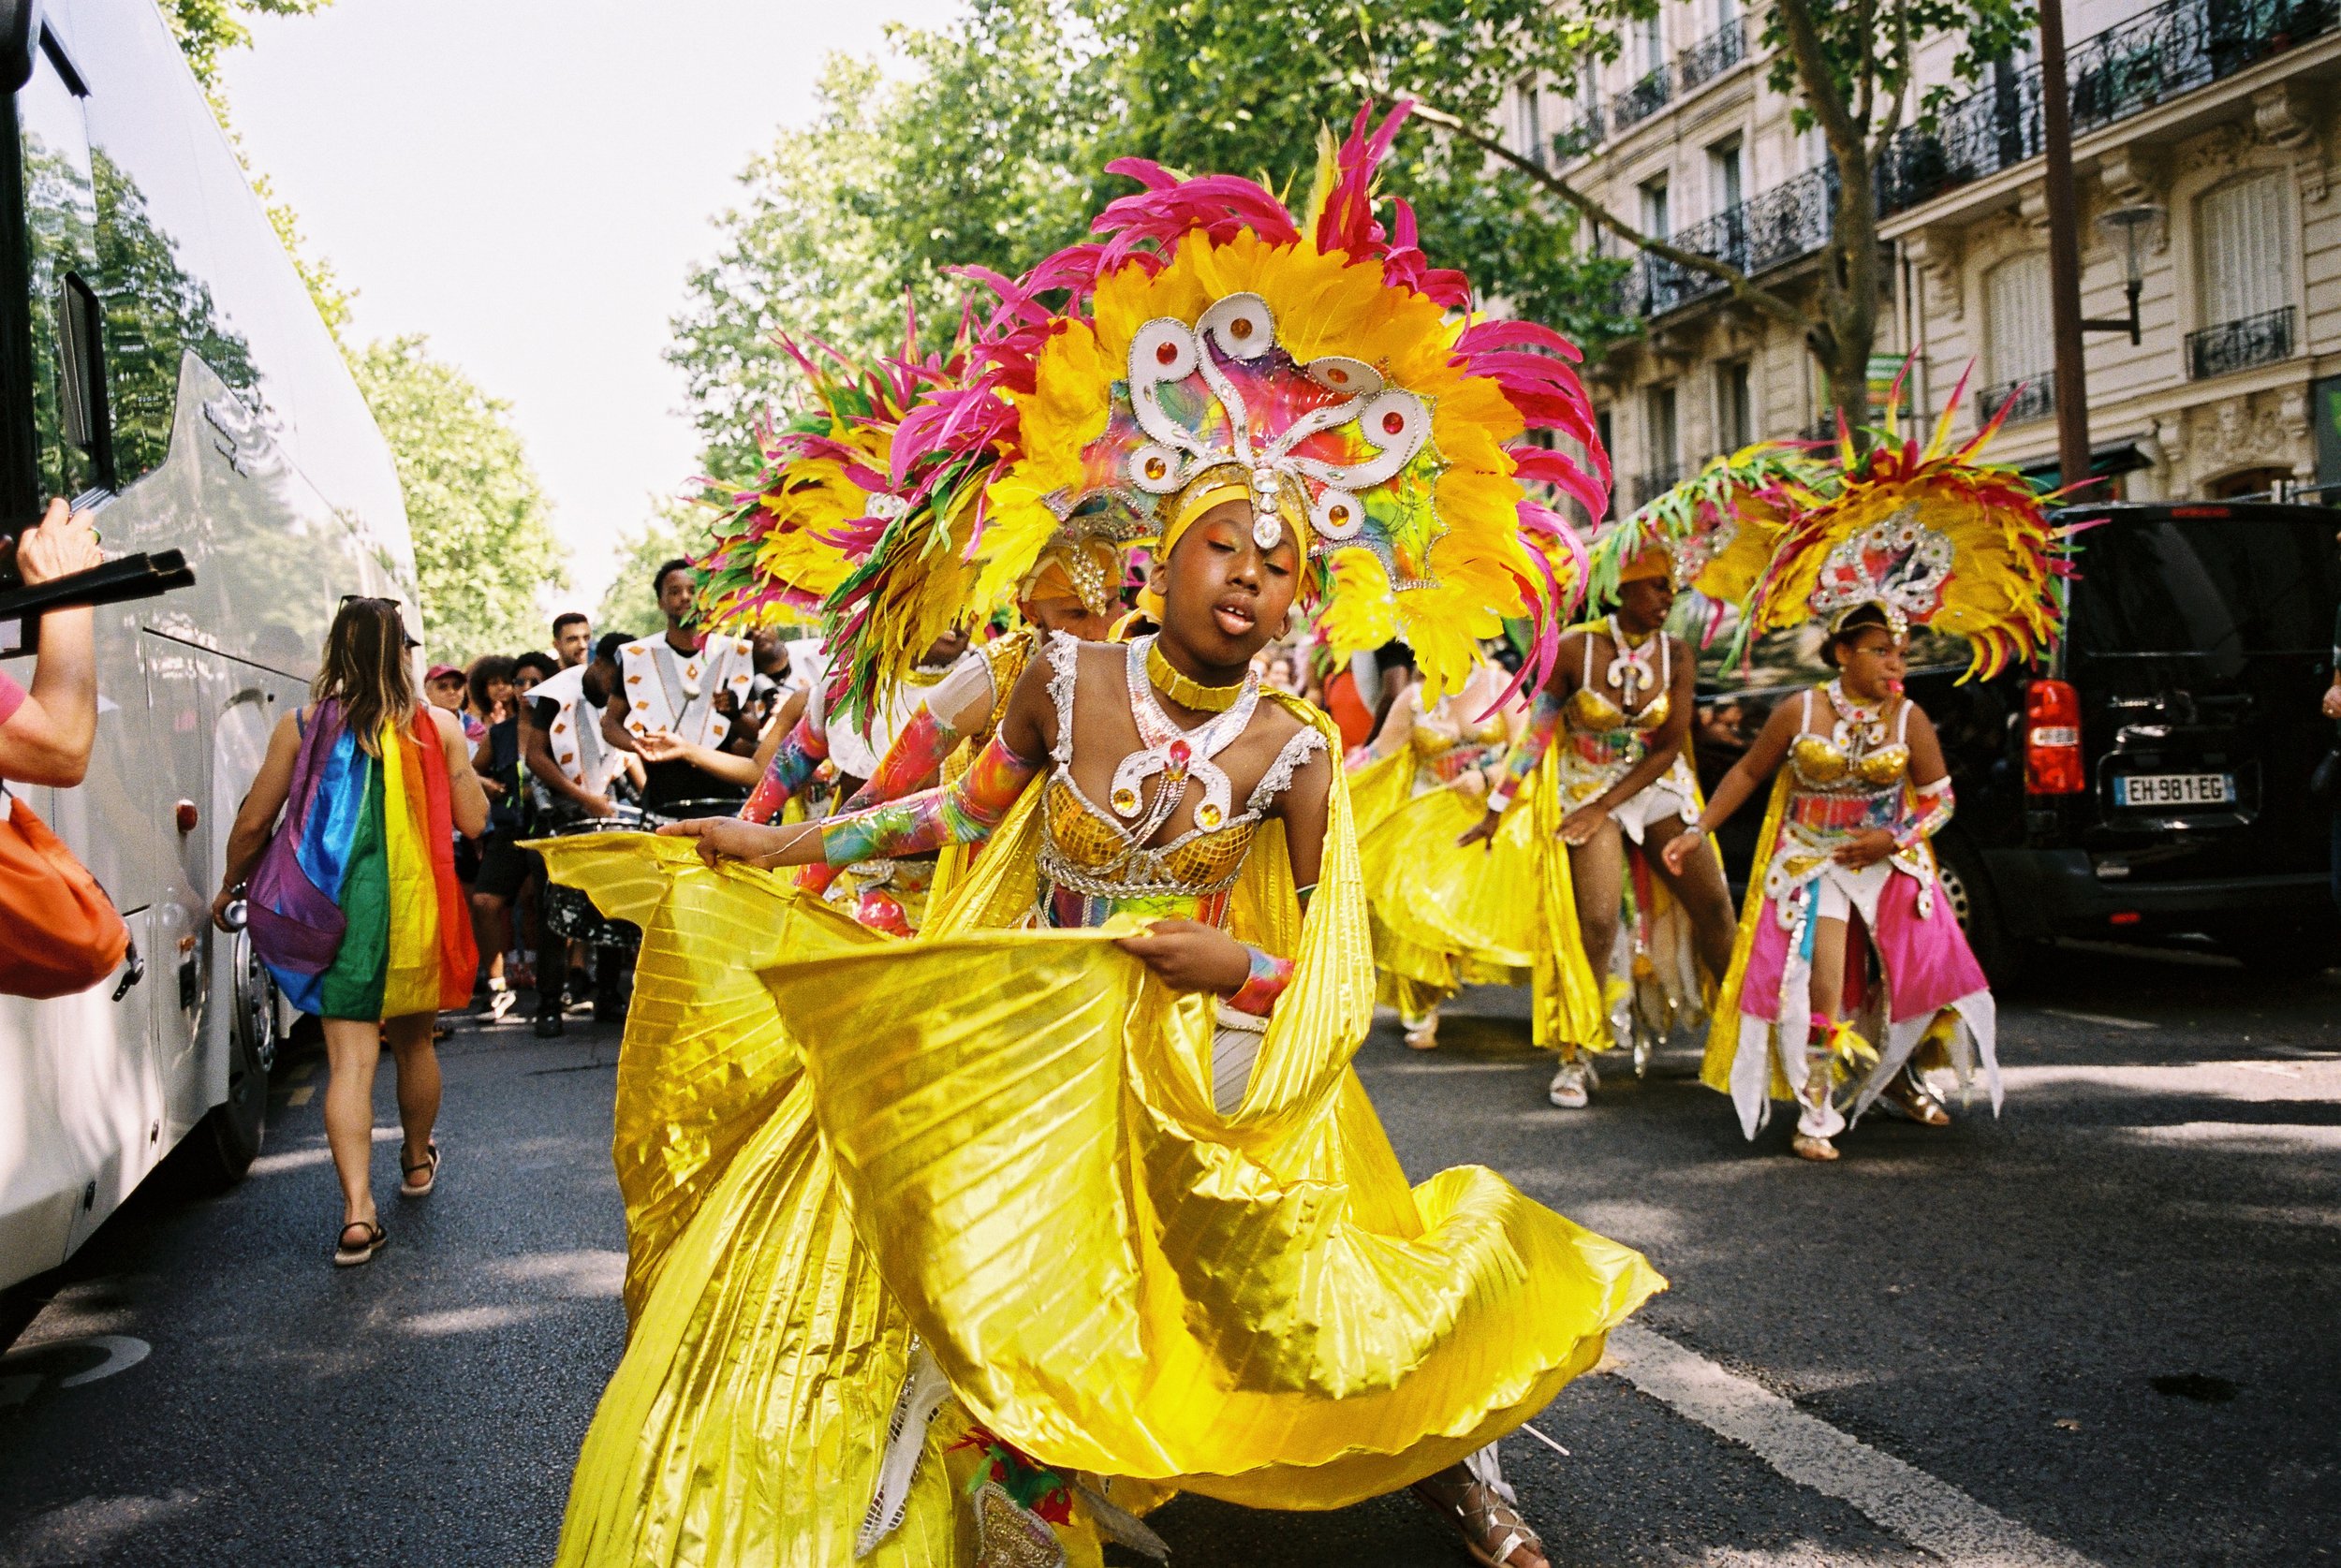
(1270, 975)
(1544, 721)
(965, 813)
(1934, 805)
(806, 749)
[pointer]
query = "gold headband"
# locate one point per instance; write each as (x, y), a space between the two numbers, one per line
(1218, 488)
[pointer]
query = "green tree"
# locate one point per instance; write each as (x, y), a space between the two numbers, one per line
(207, 29)
(1850, 68)
(992, 152)
(483, 544)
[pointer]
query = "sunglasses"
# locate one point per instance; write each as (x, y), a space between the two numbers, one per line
(409, 637)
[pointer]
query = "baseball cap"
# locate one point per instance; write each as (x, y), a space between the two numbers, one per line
(440, 672)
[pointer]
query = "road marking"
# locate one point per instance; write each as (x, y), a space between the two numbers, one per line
(1930, 1514)
(300, 1097)
(2106, 1018)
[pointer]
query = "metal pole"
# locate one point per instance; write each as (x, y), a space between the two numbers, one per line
(2064, 237)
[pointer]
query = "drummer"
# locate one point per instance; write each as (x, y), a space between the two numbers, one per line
(572, 768)
(685, 687)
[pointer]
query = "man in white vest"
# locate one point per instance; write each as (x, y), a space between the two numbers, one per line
(571, 770)
(690, 687)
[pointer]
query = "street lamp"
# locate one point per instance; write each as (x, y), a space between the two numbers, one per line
(2130, 225)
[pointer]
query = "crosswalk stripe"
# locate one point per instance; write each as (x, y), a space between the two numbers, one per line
(1930, 1514)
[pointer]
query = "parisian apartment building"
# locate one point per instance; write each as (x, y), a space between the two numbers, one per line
(2205, 144)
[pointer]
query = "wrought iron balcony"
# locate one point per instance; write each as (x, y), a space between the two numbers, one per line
(1788, 222)
(1581, 136)
(1712, 55)
(2255, 340)
(2032, 398)
(1640, 101)
(2174, 48)
(1649, 487)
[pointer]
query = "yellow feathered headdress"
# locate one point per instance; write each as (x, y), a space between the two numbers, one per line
(1932, 536)
(1215, 345)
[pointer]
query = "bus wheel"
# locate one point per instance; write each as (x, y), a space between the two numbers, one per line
(224, 1145)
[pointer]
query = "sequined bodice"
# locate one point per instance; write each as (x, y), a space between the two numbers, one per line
(1588, 710)
(1099, 866)
(1446, 746)
(1847, 765)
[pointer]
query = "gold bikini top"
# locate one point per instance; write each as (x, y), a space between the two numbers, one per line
(1431, 741)
(1592, 709)
(1090, 852)
(1855, 757)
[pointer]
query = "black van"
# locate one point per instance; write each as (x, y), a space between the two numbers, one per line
(2154, 782)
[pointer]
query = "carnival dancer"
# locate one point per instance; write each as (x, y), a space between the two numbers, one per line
(1443, 916)
(1912, 537)
(1622, 783)
(1093, 1352)
(685, 684)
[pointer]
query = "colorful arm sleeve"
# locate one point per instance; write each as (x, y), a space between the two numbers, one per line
(806, 749)
(915, 756)
(1544, 721)
(1934, 809)
(1268, 977)
(965, 813)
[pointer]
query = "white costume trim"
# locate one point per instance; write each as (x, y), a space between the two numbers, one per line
(673, 692)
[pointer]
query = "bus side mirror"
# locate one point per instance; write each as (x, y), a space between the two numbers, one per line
(19, 36)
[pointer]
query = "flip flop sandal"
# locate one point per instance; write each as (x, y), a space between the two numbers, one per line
(407, 1186)
(347, 1257)
(1491, 1529)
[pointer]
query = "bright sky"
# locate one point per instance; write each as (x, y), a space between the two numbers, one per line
(528, 181)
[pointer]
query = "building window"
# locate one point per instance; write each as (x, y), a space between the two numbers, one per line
(1532, 142)
(1654, 48)
(2021, 346)
(1656, 221)
(1735, 406)
(1609, 448)
(1661, 446)
(2246, 277)
(1723, 187)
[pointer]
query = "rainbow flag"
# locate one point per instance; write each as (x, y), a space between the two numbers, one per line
(378, 840)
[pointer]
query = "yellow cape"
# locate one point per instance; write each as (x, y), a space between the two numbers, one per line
(1118, 1278)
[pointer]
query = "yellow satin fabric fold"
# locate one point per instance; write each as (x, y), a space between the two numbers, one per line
(1445, 917)
(1116, 1278)
(1567, 1001)
(746, 1423)
(1723, 1023)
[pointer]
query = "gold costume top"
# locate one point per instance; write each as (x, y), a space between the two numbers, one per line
(1098, 867)
(1606, 739)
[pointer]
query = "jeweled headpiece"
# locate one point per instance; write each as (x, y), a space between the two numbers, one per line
(1318, 367)
(1931, 536)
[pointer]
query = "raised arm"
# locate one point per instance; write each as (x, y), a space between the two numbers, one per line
(47, 738)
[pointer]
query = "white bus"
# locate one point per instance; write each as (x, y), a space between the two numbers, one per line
(159, 356)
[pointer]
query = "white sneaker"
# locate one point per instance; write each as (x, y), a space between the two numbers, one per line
(1572, 1086)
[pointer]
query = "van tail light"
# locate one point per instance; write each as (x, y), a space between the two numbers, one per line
(2052, 740)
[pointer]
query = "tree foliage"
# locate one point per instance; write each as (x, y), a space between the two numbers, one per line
(207, 29)
(991, 150)
(1851, 70)
(483, 544)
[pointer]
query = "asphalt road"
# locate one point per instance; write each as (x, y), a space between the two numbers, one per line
(2105, 1329)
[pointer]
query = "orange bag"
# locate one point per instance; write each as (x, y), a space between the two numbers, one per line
(59, 932)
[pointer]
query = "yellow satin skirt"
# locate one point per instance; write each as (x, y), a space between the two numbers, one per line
(1444, 917)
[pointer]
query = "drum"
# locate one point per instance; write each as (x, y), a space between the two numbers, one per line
(569, 913)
